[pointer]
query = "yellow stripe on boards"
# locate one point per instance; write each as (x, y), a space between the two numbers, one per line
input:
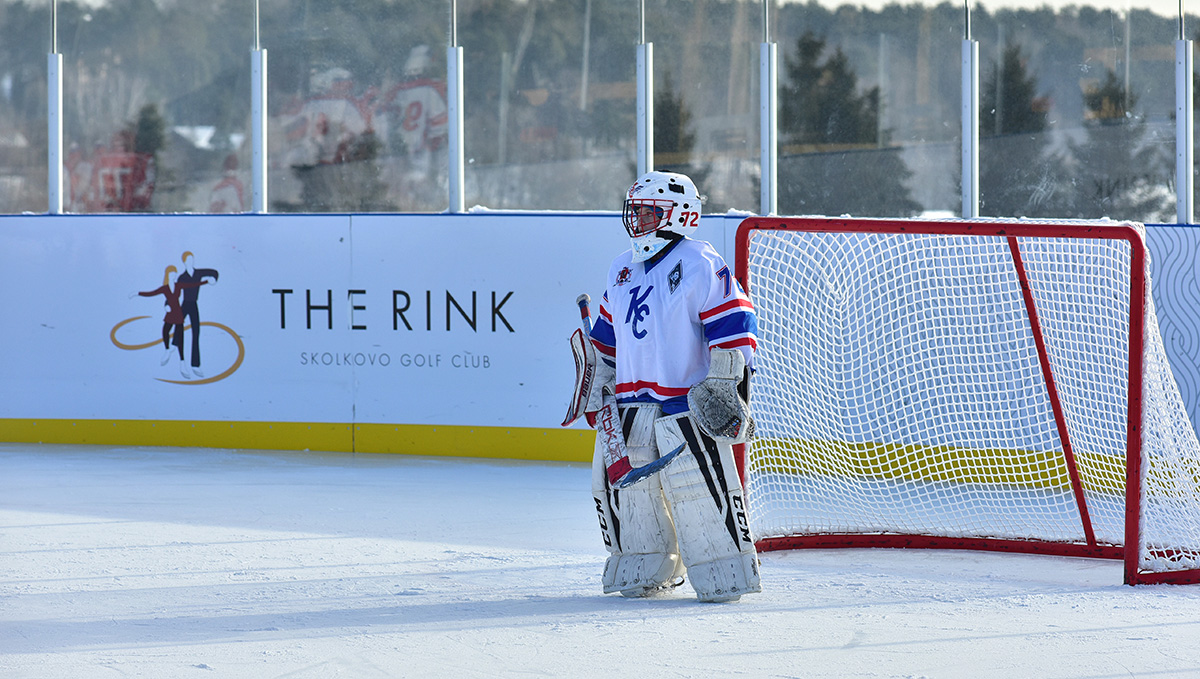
(254, 435)
(516, 443)
(511, 443)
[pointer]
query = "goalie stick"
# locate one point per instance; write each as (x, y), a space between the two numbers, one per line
(621, 473)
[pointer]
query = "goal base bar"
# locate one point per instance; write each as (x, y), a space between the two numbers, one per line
(895, 541)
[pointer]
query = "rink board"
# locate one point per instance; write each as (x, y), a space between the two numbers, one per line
(423, 334)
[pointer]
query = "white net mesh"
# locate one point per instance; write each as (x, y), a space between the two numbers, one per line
(899, 391)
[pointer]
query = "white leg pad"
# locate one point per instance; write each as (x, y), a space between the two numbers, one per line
(725, 579)
(705, 495)
(635, 522)
(638, 575)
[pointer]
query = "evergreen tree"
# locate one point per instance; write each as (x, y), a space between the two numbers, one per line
(1119, 174)
(674, 139)
(841, 167)
(1010, 104)
(1018, 174)
(1108, 103)
(820, 103)
(149, 131)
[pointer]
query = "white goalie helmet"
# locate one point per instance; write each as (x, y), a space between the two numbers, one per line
(659, 202)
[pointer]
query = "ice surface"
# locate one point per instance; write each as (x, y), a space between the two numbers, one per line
(169, 562)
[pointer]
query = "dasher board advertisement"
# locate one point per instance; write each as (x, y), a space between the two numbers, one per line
(427, 320)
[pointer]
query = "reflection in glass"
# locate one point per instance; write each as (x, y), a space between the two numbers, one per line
(550, 103)
(869, 119)
(1077, 105)
(24, 44)
(706, 103)
(1076, 116)
(155, 108)
(357, 105)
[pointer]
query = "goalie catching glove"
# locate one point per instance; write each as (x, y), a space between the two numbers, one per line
(718, 405)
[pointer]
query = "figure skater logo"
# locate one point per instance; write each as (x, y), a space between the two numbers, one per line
(181, 293)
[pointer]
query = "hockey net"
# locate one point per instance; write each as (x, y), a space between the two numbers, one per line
(997, 385)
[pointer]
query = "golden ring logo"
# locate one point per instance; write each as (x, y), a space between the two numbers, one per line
(241, 349)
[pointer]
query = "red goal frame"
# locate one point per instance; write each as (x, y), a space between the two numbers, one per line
(1137, 304)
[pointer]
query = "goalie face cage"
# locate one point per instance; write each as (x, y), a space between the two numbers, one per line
(995, 385)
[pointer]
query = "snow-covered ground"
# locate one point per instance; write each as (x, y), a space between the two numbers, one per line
(158, 562)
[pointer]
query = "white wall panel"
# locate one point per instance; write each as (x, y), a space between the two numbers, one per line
(408, 319)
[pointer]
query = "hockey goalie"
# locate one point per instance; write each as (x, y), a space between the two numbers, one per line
(665, 372)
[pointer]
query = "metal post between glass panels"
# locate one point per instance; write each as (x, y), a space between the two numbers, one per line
(645, 108)
(1184, 130)
(258, 130)
(454, 74)
(258, 122)
(454, 106)
(768, 75)
(1184, 210)
(54, 118)
(645, 96)
(970, 121)
(768, 57)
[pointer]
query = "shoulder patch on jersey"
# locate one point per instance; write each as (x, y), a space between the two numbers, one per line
(624, 276)
(676, 276)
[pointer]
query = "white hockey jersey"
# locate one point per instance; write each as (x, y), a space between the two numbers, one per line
(413, 115)
(658, 321)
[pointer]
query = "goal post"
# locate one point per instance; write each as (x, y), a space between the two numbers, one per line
(966, 384)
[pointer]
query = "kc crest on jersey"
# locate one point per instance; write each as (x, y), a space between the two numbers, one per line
(638, 310)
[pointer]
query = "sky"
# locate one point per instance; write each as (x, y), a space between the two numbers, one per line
(1169, 8)
(178, 562)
